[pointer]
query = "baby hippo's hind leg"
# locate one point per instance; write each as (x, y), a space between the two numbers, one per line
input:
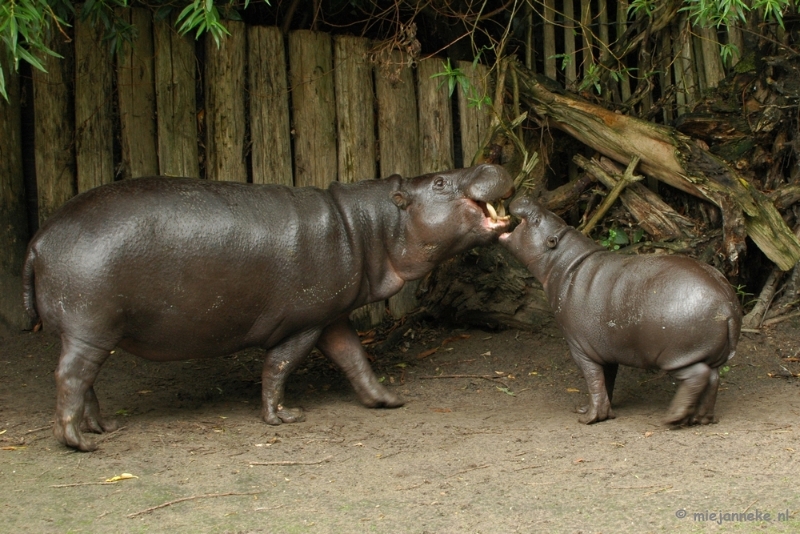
(694, 381)
(705, 410)
(77, 370)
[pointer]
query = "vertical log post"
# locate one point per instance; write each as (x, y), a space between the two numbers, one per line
(435, 119)
(54, 128)
(398, 133)
(549, 35)
(355, 129)
(224, 105)
(665, 74)
(175, 101)
(735, 38)
(571, 70)
(94, 127)
(474, 120)
(712, 67)
(13, 215)
(685, 79)
(271, 156)
(622, 26)
(313, 108)
(137, 98)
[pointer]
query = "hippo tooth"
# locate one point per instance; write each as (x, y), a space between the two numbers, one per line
(501, 209)
(492, 212)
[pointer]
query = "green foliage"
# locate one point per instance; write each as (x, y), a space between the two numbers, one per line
(591, 78)
(26, 24)
(617, 238)
(22, 26)
(455, 77)
(743, 295)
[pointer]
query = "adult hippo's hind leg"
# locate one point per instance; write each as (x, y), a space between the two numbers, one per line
(92, 421)
(694, 380)
(279, 363)
(77, 370)
(340, 343)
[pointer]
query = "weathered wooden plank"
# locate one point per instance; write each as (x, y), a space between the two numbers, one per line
(474, 120)
(435, 118)
(313, 107)
(94, 127)
(175, 101)
(224, 105)
(398, 135)
(271, 153)
(54, 128)
(13, 215)
(355, 129)
(137, 98)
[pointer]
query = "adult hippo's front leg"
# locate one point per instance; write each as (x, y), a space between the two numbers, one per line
(339, 342)
(279, 363)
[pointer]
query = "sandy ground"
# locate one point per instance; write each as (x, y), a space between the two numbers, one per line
(490, 445)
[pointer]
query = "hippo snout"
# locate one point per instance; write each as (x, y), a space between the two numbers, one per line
(489, 183)
(522, 207)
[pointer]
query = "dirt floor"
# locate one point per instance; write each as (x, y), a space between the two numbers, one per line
(487, 442)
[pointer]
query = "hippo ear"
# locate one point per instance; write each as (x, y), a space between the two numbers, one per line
(400, 199)
(552, 241)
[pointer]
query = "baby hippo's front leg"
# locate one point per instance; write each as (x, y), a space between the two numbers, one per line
(599, 408)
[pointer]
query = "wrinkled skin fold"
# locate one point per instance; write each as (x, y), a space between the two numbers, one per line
(651, 311)
(177, 268)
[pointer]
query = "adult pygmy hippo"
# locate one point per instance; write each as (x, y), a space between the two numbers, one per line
(667, 312)
(178, 268)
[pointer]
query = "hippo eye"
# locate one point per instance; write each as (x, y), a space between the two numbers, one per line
(552, 241)
(439, 183)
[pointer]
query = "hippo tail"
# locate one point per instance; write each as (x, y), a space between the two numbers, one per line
(28, 288)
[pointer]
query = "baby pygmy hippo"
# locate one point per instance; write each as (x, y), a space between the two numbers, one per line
(668, 312)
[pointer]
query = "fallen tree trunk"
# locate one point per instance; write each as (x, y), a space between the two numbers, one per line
(675, 159)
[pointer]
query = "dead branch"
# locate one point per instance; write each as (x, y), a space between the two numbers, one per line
(191, 498)
(627, 178)
(485, 377)
(76, 484)
(756, 316)
(675, 159)
(293, 462)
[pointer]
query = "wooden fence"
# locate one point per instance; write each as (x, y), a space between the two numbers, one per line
(304, 110)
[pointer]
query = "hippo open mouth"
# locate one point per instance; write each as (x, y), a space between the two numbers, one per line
(494, 218)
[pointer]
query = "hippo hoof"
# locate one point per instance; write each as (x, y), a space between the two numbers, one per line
(385, 400)
(97, 425)
(284, 415)
(594, 416)
(704, 420)
(73, 439)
